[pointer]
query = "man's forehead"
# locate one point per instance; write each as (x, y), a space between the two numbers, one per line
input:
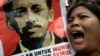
(29, 1)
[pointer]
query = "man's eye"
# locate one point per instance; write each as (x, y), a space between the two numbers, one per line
(36, 8)
(20, 12)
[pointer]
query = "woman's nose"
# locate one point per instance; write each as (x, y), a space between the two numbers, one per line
(76, 22)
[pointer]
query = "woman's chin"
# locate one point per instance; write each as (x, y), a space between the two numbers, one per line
(79, 48)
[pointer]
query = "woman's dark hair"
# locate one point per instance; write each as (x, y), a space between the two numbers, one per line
(93, 6)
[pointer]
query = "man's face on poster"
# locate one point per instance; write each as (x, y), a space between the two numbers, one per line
(32, 17)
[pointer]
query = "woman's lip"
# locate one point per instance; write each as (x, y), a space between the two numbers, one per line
(77, 36)
(78, 40)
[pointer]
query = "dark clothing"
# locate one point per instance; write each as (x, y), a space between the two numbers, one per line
(57, 40)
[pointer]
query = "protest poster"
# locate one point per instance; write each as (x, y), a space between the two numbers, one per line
(62, 49)
(33, 25)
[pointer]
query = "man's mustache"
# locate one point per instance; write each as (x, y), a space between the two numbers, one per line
(30, 25)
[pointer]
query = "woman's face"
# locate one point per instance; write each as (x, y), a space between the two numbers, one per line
(83, 29)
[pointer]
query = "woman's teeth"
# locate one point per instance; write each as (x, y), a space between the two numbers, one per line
(77, 34)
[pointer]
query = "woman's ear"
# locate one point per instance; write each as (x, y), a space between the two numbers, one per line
(51, 15)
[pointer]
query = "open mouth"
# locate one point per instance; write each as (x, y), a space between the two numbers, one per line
(77, 34)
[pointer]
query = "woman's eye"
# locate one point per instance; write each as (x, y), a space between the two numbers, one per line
(70, 20)
(83, 17)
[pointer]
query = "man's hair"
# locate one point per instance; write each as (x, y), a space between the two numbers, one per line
(49, 3)
(8, 6)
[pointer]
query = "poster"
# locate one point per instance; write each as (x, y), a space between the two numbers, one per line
(30, 27)
(62, 49)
